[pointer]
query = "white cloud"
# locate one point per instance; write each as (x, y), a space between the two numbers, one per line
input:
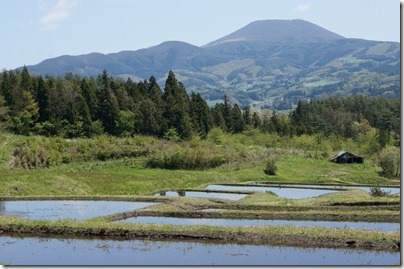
(58, 13)
(302, 7)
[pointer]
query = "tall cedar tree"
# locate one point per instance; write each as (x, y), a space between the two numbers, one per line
(177, 107)
(108, 107)
(200, 114)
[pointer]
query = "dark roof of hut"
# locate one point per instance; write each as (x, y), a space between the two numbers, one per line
(342, 152)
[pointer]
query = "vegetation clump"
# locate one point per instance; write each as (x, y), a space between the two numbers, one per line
(270, 167)
(390, 161)
(378, 192)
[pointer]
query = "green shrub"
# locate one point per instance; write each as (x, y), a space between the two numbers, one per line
(172, 135)
(390, 161)
(378, 192)
(216, 135)
(270, 167)
(184, 156)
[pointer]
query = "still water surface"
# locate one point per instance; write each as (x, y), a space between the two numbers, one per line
(52, 251)
(202, 194)
(80, 210)
(291, 193)
(251, 222)
(305, 191)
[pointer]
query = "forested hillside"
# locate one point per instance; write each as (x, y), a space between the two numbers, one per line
(103, 111)
(75, 106)
(266, 64)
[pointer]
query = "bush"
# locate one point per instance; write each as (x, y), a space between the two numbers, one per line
(270, 168)
(377, 192)
(390, 161)
(216, 135)
(30, 156)
(188, 159)
(39, 152)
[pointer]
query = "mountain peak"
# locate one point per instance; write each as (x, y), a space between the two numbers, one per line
(279, 31)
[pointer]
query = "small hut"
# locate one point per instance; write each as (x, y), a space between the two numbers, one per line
(346, 157)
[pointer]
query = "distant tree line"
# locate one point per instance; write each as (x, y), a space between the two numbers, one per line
(75, 106)
(349, 117)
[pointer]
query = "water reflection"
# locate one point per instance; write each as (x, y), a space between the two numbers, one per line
(294, 191)
(51, 251)
(52, 210)
(391, 190)
(202, 194)
(2, 208)
(251, 222)
(290, 193)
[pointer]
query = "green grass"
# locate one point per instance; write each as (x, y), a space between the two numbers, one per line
(310, 170)
(285, 233)
(245, 156)
(129, 178)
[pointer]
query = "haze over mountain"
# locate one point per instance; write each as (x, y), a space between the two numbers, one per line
(269, 63)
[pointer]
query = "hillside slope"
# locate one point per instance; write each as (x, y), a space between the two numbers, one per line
(270, 63)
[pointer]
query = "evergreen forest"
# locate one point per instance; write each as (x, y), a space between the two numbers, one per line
(84, 107)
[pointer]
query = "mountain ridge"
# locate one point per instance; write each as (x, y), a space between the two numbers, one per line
(279, 31)
(265, 69)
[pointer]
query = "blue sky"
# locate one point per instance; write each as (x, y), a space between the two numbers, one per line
(34, 30)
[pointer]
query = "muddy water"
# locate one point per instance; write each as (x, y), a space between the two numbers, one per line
(52, 210)
(202, 194)
(251, 222)
(51, 251)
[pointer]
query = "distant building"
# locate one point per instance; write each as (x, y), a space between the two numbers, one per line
(346, 157)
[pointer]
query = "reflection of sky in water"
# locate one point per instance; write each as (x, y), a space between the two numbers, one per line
(51, 251)
(250, 222)
(292, 193)
(388, 190)
(391, 190)
(230, 196)
(79, 210)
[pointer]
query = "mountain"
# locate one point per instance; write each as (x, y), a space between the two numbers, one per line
(269, 63)
(279, 31)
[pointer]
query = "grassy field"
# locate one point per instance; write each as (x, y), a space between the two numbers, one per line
(234, 159)
(127, 178)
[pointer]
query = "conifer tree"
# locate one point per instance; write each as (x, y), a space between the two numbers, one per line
(226, 112)
(42, 98)
(200, 115)
(217, 116)
(108, 107)
(247, 115)
(88, 89)
(177, 107)
(237, 119)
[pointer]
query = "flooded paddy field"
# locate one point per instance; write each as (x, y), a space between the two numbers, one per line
(390, 189)
(213, 239)
(96, 251)
(293, 191)
(253, 222)
(290, 193)
(204, 194)
(72, 209)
